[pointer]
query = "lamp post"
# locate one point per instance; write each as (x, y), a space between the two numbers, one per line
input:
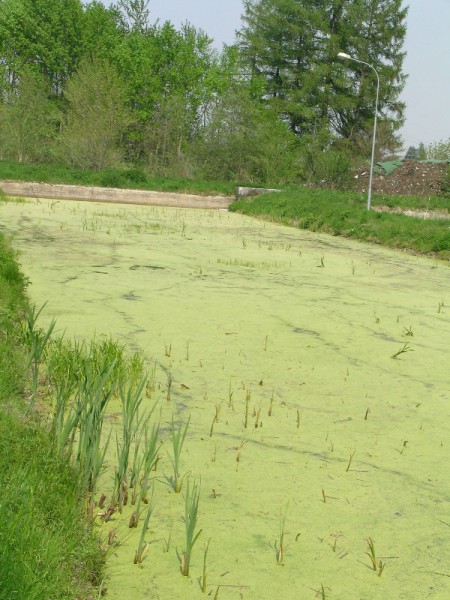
(348, 57)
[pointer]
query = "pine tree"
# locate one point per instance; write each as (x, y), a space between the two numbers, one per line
(412, 153)
(293, 46)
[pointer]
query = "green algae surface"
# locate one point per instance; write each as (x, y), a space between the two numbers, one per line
(325, 362)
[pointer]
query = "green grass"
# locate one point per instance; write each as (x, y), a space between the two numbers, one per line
(344, 213)
(127, 178)
(46, 549)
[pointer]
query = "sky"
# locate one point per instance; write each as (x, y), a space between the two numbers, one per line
(427, 62)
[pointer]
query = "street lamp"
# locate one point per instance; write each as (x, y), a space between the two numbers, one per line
(348, 57)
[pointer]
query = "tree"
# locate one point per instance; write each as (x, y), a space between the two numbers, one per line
(96, 118)
(164, 68)
(422, 153)
(245, 140)
(135, 14)
(28, 120)
(439, 150)
(293, 45)
(44, 35)
(412, 153)
(103, 30)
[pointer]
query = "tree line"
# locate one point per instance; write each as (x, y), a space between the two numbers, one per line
(94, 86)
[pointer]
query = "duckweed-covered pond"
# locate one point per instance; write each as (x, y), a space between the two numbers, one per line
(326, 363)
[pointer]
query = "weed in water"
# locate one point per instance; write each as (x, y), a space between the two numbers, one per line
(204, 575)
(136, 467)
(258, 423)
(214, 454)
(269, 412)
(350, 461)
(279, 544)
(191, 502)
(143, 547)
(167, 540)
(132, 421)
(150, 459)
(403, 350)
(238, 454)
(335, 537)
(218, 408)
(169, 386)
(230, 397)
(371, 553)
(168, 350)
(265, 343)
(377, 566)
(408, 331)
(248, 396)
(178, 436)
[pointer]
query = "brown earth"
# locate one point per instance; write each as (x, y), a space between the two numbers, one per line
(411, 178)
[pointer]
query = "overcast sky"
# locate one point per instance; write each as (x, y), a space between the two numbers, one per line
(427, 91)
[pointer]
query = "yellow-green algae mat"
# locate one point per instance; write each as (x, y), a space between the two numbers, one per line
(349, 443)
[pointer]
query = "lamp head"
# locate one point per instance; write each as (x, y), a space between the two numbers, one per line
(344, 55)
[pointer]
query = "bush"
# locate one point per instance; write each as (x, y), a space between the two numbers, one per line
(327, 168)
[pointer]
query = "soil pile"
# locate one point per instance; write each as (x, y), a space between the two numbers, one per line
(410, 178)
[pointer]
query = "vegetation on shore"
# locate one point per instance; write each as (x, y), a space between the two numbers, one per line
(126, 178)
(345, 214)
(105, 86)
(46, 548)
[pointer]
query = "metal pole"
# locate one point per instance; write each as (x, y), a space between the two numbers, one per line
(372, 160)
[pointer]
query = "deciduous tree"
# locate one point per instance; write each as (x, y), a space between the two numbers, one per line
(28, 120)
(97, 116)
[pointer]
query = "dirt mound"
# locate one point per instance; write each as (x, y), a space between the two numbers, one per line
(410, 178)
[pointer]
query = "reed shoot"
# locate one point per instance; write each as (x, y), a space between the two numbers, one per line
(178, 437)
(191, 502)
(279, 544)
(142, 549)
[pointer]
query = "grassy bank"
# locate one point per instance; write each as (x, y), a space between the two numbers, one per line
(344, 213)
(46, 551)
(117, 178)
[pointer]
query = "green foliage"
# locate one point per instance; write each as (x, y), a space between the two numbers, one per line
(247, 141)
(103, 30)
(45, 549)
(44, 34)
(135, 14)
(344, 213)
(96, 117)
(327, 168)
(28, 120)
(166, 100)
(12, 303)
(412, 153)
(112, 177)
(293, 45)
(191, 502)
(438, 150)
